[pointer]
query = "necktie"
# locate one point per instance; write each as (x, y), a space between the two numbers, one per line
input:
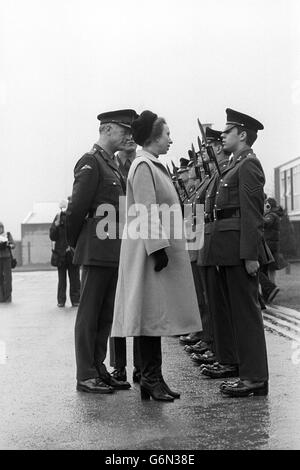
(127, 165)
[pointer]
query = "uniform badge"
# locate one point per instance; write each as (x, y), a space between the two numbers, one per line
(86, 167)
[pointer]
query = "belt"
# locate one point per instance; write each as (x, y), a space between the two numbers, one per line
(219, 214)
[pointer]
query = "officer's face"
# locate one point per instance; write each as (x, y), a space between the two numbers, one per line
(230, 138)
(164, 141)
(120, 137)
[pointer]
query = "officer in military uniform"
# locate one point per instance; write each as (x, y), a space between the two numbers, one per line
(93, 229)
(117, 346)
(233, 243)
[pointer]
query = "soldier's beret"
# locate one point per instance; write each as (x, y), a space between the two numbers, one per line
(235, 118)
(212, 135)
(142, 127)
(123, 117)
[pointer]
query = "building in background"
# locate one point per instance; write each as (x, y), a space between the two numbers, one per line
(36, 244)
(287, 194)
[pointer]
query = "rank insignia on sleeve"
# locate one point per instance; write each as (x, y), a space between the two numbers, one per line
(86, 167)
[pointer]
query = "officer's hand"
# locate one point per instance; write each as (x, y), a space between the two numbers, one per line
(160, 259)
(252, 267)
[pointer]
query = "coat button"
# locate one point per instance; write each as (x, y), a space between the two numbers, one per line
(225, 184)
(114, 183)
(217, 192)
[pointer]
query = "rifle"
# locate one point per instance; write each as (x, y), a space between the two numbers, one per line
(204, 163)
(209, 148)
(179, 180)
(193, 157)
(176, 189)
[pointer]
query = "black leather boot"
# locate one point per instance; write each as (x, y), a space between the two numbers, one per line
(167, 389)
(155, 391)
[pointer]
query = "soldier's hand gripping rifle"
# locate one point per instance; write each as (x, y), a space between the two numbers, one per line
(209, 149)
(204, 163)
(176, 189)
(194, 159)
(179, 180)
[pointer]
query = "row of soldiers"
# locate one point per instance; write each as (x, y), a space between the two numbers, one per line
(225, 269)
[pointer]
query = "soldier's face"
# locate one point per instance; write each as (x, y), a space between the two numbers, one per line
(164, 141)
(230, 138)
(130, 145)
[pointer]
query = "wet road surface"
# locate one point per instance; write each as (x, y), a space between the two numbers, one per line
(41, 409)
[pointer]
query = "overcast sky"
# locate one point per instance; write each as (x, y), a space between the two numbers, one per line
(62, 62)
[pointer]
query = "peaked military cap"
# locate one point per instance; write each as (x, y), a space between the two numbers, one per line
(235, 118)
(212, 135)
(123, 117)
(184, 162)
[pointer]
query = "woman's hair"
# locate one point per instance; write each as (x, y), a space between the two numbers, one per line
(157, 130)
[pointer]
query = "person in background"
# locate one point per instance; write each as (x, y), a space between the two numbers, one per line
(6, 245)
(65, 260)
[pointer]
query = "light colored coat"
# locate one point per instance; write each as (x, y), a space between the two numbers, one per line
(150, 303)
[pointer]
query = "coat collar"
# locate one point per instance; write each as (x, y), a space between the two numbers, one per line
(238, 157)
(155, 160)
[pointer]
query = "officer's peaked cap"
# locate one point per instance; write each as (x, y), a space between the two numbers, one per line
(243, 120)
(123, 117)
(213, 135)
(184, 162)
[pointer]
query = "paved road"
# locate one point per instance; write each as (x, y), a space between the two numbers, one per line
(40, 408)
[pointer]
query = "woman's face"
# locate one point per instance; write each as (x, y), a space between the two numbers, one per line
(164, 141)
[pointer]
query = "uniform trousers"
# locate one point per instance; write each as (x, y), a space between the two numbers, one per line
(237, 320)
(94, 319)
(117, 353)
(5, 279)
(199, 280)
(74, 280)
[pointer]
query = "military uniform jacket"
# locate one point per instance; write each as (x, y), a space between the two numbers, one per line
(98, 182)
(234, 206)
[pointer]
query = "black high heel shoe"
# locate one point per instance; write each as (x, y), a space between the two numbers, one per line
(167, 389)
(156, 392)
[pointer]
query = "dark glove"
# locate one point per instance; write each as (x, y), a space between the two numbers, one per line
(160, 259)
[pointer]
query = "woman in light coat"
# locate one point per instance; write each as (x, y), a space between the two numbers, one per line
(155, 293)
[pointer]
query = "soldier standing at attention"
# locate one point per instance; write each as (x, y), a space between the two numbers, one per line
(98, 182)
(233, 243)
